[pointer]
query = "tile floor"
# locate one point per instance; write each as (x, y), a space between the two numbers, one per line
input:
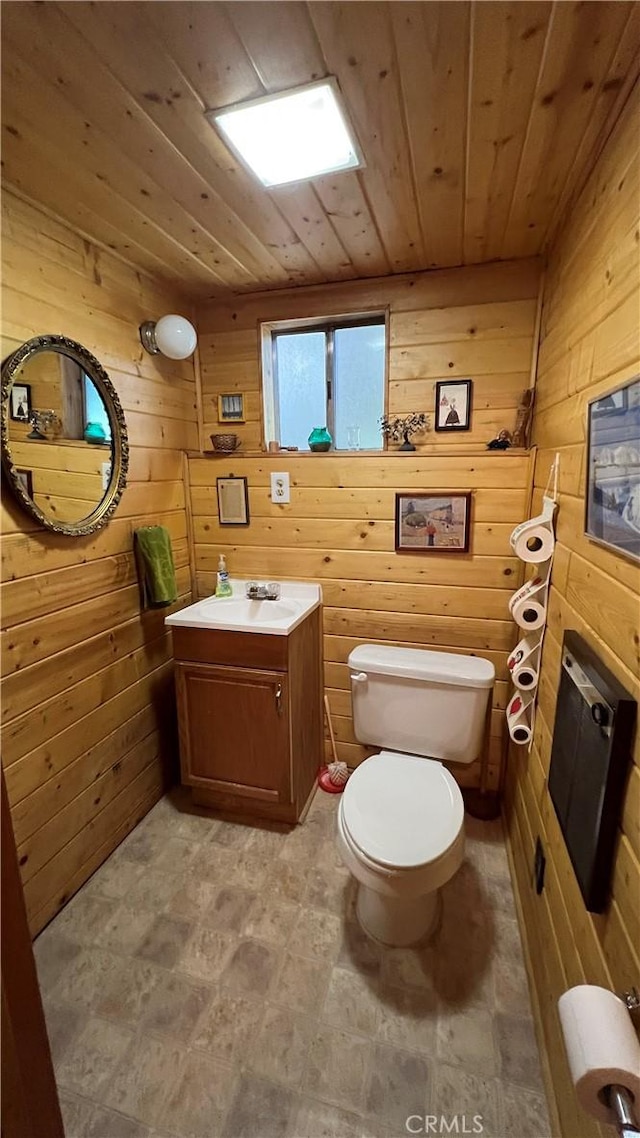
(211, 981)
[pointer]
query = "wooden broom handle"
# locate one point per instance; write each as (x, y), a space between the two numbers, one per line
(333, 741)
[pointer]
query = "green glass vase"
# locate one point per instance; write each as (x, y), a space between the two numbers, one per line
(320, 439)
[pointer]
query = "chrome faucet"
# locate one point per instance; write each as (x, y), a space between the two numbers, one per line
(267, 592)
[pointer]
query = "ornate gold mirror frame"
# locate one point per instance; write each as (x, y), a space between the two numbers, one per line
(119, 440)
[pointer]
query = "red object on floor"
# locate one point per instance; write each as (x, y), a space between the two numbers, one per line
(325, 783)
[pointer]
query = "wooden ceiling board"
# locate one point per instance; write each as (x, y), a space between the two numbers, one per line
(478, 120)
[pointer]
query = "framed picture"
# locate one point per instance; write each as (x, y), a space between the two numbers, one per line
(20, 402)
(233, 501)
(231, 408)
(26, 478)
(453, 405)
(612, 499)
(433, 523)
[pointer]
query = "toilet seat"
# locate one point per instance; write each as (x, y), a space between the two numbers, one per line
(401, 812)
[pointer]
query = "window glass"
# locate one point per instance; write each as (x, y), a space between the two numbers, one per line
(358, 392)
(300, 386)
(94, 408)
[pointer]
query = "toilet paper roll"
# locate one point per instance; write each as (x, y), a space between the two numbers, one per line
(519, 719)
(525, 677)
(601, 1045)
(533, 541)
(528, 606)
(526, 651)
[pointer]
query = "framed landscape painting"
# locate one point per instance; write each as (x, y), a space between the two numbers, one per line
(433, 523)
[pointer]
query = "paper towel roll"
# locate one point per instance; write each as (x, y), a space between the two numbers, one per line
(533, 542)
(602, 1047)
(518, 719)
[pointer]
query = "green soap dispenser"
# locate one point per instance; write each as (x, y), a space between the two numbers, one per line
(223, 584)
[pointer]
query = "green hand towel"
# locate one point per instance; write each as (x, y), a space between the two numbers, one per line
(154, 559)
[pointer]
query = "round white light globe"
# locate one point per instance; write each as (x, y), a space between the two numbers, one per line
(175, 337)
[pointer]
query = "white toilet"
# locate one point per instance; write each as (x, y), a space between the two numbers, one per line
(401, 816)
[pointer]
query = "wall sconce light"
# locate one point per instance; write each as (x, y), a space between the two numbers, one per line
(171, 335)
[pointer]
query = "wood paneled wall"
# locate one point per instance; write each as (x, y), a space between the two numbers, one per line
(87, 689)
(339, 527)
(590, 344)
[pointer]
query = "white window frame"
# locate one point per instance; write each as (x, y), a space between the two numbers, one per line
(268, 329)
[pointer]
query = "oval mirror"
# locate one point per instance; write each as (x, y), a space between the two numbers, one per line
(64, 439)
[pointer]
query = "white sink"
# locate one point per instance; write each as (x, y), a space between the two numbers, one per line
(238, 614)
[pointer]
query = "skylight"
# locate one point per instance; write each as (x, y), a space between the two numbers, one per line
(291, 136)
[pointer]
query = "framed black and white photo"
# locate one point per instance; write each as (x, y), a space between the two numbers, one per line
(433, 523)
(233, 501)
(20, 402)
(453, 405)
(613, 470)
(231, 408)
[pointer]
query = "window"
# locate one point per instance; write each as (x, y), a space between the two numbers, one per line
(94, 408)
(325, 374)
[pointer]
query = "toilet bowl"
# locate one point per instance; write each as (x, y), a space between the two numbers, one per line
(401, 835)
(401, 817)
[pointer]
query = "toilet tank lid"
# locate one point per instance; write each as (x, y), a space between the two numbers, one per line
(420, 664)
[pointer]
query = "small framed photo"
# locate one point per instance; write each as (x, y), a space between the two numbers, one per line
(233, 501)
(613, 470)
(231, 408)
(433, 523)
(453, 405)
(26, 478)
(20, 402)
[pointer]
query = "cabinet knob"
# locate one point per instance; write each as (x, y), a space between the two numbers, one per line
(279, 699)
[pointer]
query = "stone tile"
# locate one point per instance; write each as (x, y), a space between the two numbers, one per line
(337, 1067)
(398, 1085)
(53, 953)
(320, 1120)
(271, 920)
(465, 1039)
(63, 1024)
(117, 877)
(126, 929)
(130, 989)
(408, 1018)
(153, 891)
(193, 827)
(260, 1108)
(250, 969)
(175, 1006)
(229, 909)
(351, 1003)
(143, 845)
(519, 1056)
(192, 899)
(86, 980)
(499, 892)
(165, 941)
(267, 841)
(206, 953)
(141, 1083)
(511, 988)
(301, 845)
(458, 1093)
(200, 1097)
(300, 984)
(330, 890)
(231, 835)
(286, 881)
(84, 918)
(357, 950)
(409, 967)
(76, 1114)
(464, 979)
(175, 856)
(248, 869)
(316, 933)
(525, 1113)
(494, 860)
(109, 1124)
(280, 1048)
(507, 945)
(92, 1057)
(213, 863)
(228, 1026)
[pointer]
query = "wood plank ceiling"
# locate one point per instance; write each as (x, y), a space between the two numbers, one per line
(477, 121)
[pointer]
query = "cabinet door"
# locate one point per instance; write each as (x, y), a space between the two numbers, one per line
(234, 730)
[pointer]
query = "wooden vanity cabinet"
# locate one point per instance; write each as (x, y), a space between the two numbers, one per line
(250, 717)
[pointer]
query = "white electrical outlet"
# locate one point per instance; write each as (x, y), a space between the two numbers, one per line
(280, 488)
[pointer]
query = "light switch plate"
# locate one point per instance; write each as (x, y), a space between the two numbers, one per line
(280, 488)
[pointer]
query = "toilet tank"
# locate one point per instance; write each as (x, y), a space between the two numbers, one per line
(423, 703)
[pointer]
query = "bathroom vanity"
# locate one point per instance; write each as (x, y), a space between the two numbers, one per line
(249, 692)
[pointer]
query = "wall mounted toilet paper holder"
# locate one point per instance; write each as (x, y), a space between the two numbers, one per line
(631, 999)
(621, 1103)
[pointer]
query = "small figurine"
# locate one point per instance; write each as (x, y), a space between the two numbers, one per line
(502, 442)
(523, 419)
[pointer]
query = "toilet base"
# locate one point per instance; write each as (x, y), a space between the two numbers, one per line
(396, 921)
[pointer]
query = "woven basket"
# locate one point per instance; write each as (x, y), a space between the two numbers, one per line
(225, 444)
